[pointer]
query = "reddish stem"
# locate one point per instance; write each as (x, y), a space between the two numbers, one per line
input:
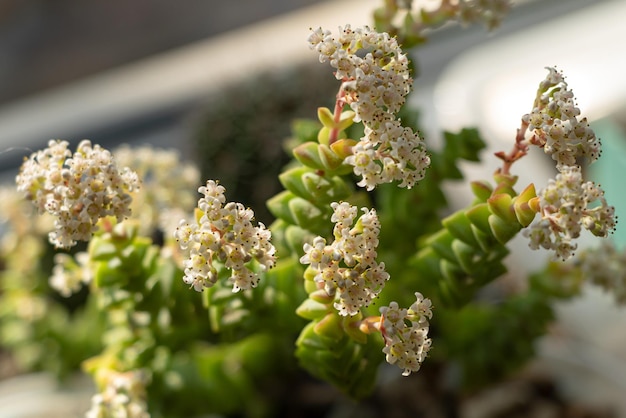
(520, 149)
(340, 102)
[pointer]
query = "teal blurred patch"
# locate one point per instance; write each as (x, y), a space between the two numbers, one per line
(610, 171)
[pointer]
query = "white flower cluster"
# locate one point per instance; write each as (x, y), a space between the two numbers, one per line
(167, 185)
(77, 189)
(347, 268)
(556, 126)
(123, 397)
(406, 333)
(223, 232)
(376, 80)
(568, 204)
(70, 273)
(605, 266)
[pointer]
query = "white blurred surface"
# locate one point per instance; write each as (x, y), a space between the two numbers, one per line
(493, 85)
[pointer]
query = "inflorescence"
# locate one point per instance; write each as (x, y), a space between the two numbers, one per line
(569, 203)
(77, 189)
(605, 266)
(375, 81)
(556, 126)
(405, 332)
(223, 234)
(347, 268)
(123, 396)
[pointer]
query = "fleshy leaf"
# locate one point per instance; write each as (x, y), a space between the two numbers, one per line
(343, 147)
(324, 189)
(351, 328)
(330, 327)
(479, 216)
(481, 189)
(308, 155)
(460, 227)
(325, 116)
(310, 309)
(292, 180)
(523, 210)
(279, 206)
(503, 231)
(501, 205)
(329, 159)
(345, 120)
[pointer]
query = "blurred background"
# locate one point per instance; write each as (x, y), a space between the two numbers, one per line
(47, 43)
(222, 79)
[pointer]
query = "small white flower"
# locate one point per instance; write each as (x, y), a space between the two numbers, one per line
(405, 332)
(421, 310)
(223, 233)
(347, 267)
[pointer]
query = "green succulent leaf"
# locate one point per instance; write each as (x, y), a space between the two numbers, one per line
(526, 205)
(311, 309)
(502, 230)
(460, 227)
(279, 206)
(330, 326)
(350, 325)
(479, 217)
(329, 159)
(325, 189)
(325, 115)
(296, 237)
(346, 120)
(308, 215)
(293, 180)
(482, 190)
(343, 147)
(308, 155)
(501, 205)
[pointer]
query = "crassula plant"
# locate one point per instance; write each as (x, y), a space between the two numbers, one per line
(180, 306)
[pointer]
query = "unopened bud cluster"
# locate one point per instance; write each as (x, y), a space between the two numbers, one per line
(77, 189)
(406, 333)
(347, 269)
(223, 233)
(376, 80)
